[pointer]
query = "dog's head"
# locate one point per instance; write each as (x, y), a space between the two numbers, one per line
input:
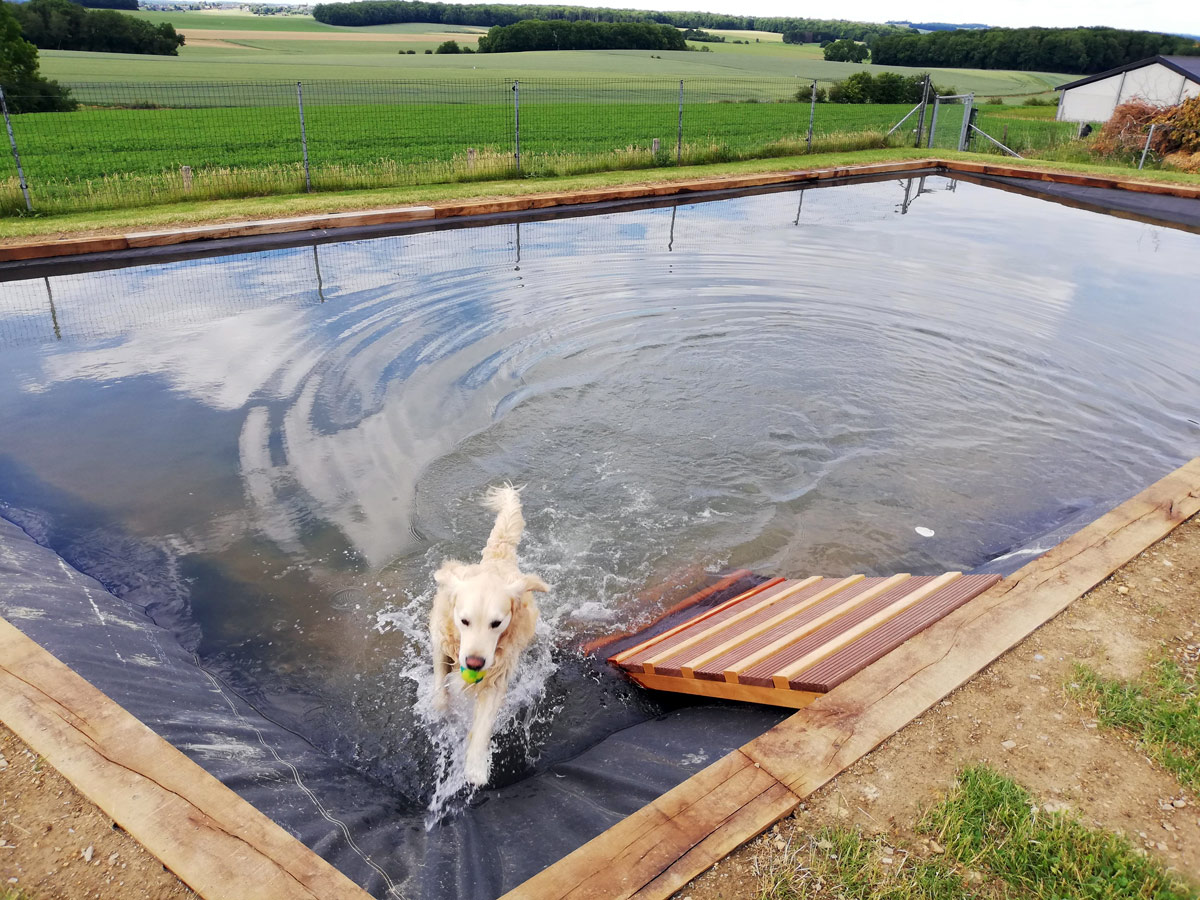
(483, 603)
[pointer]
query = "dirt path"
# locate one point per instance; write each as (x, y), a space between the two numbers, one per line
(56, 845)
(203, 34)
(1017, 716)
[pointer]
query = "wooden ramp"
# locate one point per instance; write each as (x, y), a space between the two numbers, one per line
(785, 642)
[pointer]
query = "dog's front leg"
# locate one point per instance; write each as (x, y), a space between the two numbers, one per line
(441, 668)
(479, 741)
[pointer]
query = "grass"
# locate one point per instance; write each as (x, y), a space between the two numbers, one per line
(194, 212)
(1160, 711)
(104, 158)
(995, 842)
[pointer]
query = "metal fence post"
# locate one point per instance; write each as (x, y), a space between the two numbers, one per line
(679, 133)
(1141, 162)
(963, 131)
(933, 120)
(303, 137)
(517, 122)
(12, 140)
(924, 105)
(812, 114)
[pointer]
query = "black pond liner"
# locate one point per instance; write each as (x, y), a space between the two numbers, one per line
(346, 817)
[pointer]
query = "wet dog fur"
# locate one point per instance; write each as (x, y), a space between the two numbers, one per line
(484, 615)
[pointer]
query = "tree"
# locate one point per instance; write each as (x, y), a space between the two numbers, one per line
(448, 47)
(846, 50)
(63, 25)
(24, 89)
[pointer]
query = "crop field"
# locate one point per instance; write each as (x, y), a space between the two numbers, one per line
(224, 46)
(100, 156)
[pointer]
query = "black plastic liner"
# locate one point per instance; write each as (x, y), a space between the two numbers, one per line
(336, 811)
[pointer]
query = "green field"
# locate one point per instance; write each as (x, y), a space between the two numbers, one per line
(101, 157)
(339, 57)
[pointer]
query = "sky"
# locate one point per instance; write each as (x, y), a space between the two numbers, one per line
(1172, 16)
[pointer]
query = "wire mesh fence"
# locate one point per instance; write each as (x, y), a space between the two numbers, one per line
(133, 144)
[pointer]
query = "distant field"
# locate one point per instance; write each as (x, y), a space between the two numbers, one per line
(308, 60)
(222, 48)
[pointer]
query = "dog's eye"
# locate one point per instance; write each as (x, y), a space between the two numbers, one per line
(496, 624)
(465, 622)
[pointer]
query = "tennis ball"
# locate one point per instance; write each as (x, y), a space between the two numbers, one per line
(471, 676)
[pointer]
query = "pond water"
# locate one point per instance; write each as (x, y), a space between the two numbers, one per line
(272, 451)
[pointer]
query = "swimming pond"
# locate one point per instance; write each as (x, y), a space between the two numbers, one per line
(274, 450)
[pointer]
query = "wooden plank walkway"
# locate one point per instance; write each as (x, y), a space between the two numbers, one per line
(657, 850)
(786, 642)
(218, 844)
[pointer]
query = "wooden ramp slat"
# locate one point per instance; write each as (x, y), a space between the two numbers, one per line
(760, 673)
(764, 646)
(739, 610)
(724, 643)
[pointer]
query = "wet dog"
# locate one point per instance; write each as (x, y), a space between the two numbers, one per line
(483, 617)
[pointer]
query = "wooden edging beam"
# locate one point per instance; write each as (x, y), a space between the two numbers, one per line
(74, 246)
(657, 850)
(217, 843)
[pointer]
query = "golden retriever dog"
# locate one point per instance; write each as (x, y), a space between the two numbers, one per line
(483, 616)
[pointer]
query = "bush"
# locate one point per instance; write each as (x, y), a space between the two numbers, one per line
(886, 87)
(1125, 131)
(846, 50)
(805, 95)
(1039, 101)
(448, 47)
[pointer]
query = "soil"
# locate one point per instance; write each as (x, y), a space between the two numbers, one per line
(227, 34)
(1016, 716)
(56, 845)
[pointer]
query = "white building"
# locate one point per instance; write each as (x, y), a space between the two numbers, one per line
(1161, 80)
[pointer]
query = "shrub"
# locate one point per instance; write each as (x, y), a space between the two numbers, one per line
(448, 47)
(1125, 131)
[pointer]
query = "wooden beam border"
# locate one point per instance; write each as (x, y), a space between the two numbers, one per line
(657, 850)
(214, 841)
(75, 246)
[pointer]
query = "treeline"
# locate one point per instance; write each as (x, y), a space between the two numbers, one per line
(388, 12)
(63, 25)
(542, 35)
(1076, 50)
(108, 4)
(25, 89)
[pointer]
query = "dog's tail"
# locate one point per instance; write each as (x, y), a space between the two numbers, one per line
(505, 500)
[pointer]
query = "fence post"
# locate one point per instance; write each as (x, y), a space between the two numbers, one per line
(679, 133)
(965, 130)
(517, 122)
(1141, 162)
(924, 105)
(303, 137)
(12, 140)
(933, 120)
(812, 114)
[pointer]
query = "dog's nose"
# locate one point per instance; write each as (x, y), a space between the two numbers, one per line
(475, 662)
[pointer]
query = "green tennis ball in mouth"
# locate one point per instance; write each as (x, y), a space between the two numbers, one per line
(471, 676)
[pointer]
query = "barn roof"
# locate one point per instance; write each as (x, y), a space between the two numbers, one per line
(1187, 66)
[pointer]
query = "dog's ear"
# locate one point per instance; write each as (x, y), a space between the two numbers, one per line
(450, 573)
(527, 583)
